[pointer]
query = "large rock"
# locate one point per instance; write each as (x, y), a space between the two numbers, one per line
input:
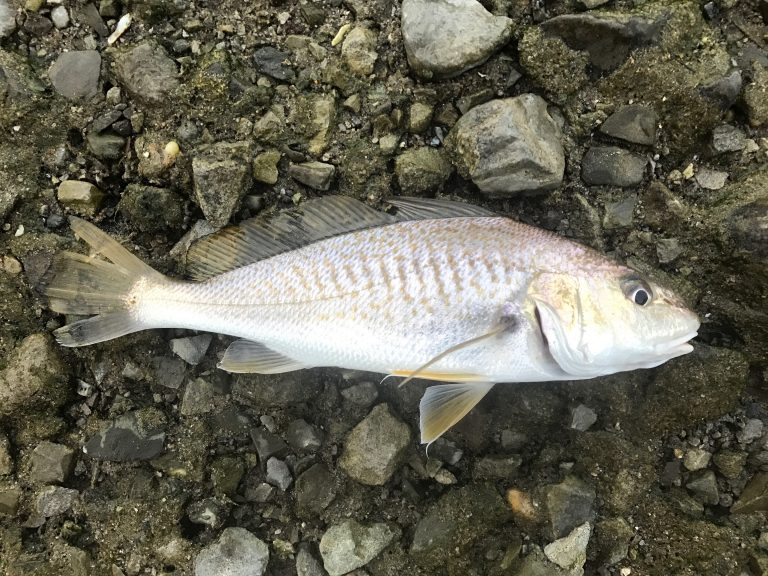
(443, 38)
(222, 176)
(375, 448)
(508, 146)
(359, 50)
(350, 545)
(75, 75)
(568, 504)
(34, 376)
(570, 552)
(147, 72)
(132, 436)
(51, 463)
(7, 19)
(611, 166)
(237, 552)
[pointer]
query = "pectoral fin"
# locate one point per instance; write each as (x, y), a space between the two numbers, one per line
(244, 356)
(443, 406)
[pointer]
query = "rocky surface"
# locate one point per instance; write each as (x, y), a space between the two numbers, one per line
(637, 128)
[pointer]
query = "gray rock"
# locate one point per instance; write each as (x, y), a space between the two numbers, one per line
(9, 501)
(54, 500)
(132, 436)
(753, 429)
(419, 117)
(362, 394)
(80, 197)
(7, 19)
(315, 490)
(260, 391)
(443, 38)
(267, 444)
(634, 123)
(726, 90)
(198, 397)
(754, 497)
(303, 436)
(607, 39)
(730, 463)
(497, 467)
(446, 451)
(222, 176)
(611, 166)
(612, 538)
(6, 463)
(60, 17)
(696, 459)
(756, 96)
(265, 167)
(507, 146)
(568, 504)
(582, 418)
(34, 376)
(147, 72)
(421, 170)
(51, 463)
(619, 214)
(711, 179)
(350, 545)
(513, 439)
(152, 209)
(570, 552)
(375, 448)
(536, 564)
(260, 493)
(317, 175)
(191, 349)
(75, 75)
(307, 564)
(211, 512)
(237, 552)
(168, 372)
(727, 138)
(703, 484)
(746, 229)
(668, 250)
(105, 145)
(359, 50)
(273, 63)
(278, 474)
(459, 519)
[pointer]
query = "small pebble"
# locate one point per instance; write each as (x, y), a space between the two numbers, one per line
(60, 17)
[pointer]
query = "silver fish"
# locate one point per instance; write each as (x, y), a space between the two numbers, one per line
(439, 290)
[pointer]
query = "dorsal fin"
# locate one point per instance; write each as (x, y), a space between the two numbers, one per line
(316, 219)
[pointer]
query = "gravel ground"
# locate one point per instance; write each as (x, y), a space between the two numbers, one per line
(637, 127)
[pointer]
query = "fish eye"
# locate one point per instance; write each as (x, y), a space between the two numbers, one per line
(637, 290)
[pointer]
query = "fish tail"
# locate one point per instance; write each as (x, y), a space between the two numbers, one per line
(88, 285)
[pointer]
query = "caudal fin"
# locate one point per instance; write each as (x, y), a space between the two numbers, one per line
(78, 284)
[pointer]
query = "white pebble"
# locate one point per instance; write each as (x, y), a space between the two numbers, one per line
(19, 230)
(122, 26)
(60, 17)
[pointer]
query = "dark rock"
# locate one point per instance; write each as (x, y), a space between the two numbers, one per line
(608, 40)
(619, 214)
(240, 551)
(75, 75)
(37, 24)
(446, 451)
(753, 430)
(725, 91)
(169, 372)
(612, 539)
(259, 391)
(668, 250)
(497, 467)
(198, 397)
(568, 505)
(211, 512)
(746, 230)
(90, 16)
(317, 175)
(133, 436)
(363, 394)
(307, 564)
(313, 14)
(459, 519)
(611, 166)
(754, 497)
(273, 63)
(634, 123)
(152, 209)
(147, 72)
(262, 492)
(278, 474)
(9, 501)
(222, 176)
(105, 145)
(507, 146)
(730, 463)
(444, 38)
(267, 444)
(350, 545)
(421, 170)
(315, 490)
(105, 120)
(191, 349)
(703, 484)
(226, 474)
(303, 436)
(756, 96)
(375, 448)
(6, 463)
(51, 463)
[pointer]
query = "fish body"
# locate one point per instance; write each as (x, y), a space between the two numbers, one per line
(473, 299)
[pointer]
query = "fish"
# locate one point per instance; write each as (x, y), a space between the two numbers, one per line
(438, 290)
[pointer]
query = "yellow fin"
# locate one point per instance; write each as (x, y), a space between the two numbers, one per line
(244, 356)
(439, 376)
(443, 406)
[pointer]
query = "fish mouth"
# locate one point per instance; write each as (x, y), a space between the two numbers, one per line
(677, 346)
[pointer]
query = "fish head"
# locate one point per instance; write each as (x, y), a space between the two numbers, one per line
(610, 320)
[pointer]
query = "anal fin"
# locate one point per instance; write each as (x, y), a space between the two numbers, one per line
(245, 356)
(443, 406)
